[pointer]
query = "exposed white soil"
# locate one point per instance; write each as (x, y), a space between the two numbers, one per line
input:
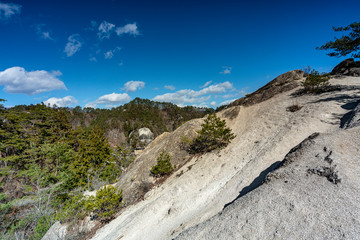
(265, 133)
(298, 200)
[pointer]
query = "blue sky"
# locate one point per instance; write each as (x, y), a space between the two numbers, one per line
(204, 53)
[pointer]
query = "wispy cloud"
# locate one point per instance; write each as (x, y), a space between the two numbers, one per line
(110, 100)
(170, 87)
(18, 80)
(227, 70)
(93, 59)
(130, 29)
(237, 93)
(132, 86)
(73, 45)
(206, 84)
(61, 102)
(227, 102)
(42, 33)
(105, 29)
(110, 54)
(188, 96)
(7, 10)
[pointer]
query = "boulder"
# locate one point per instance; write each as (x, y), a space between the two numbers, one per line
(141, 138)
(145, 135)
(347, 67)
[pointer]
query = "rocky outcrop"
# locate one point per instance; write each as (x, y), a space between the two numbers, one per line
(303, 199)
(352, 118)
(141, 138)
(347, 67)
(283, 83)
(145, 135)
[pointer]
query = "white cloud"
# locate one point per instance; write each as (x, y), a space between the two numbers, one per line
(61, 102)
(132, 86)
(44, 34)
(130, 29)
(93, 59)
(227, 102)
(105, 29)
(91, 105)
(9, 9)
(236, 93)
(216, 88)
(109, 100)
(188, 96)
(180, 98)
(170, 87)
(206, 84)
(18, 80)
(227, 70)
(110, 54)
(74, 44)
(213, 103)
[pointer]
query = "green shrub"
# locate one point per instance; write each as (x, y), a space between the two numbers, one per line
(43, 225)
(163, 166)
(315, 82)
(74, 208)
(213, 135)
(106, 202)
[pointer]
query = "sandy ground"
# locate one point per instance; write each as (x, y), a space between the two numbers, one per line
(264, 132)
(297, 202)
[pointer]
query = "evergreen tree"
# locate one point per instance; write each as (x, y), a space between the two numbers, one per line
(94, 157)
(347, 44)
(213, 135)
(163, 166)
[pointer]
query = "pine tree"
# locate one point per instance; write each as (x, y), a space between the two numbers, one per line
(163, 166)
(346, 44)
(213, 135)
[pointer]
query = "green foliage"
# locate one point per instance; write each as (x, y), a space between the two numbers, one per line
(42, 226)
(125, 153)
(163, 166)
(213, 135)
(74, 208)
(315, 82)
(347, 44)
(157, 116)
(45, 163)
(106, 202)
(93, 160)
(1, 105)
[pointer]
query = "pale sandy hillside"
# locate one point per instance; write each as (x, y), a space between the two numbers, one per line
(265, 133)
(313, 195)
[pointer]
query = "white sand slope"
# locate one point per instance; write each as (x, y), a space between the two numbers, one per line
(265, 133)
(300, 200)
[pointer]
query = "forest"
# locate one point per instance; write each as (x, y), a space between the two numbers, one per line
(49, 156)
